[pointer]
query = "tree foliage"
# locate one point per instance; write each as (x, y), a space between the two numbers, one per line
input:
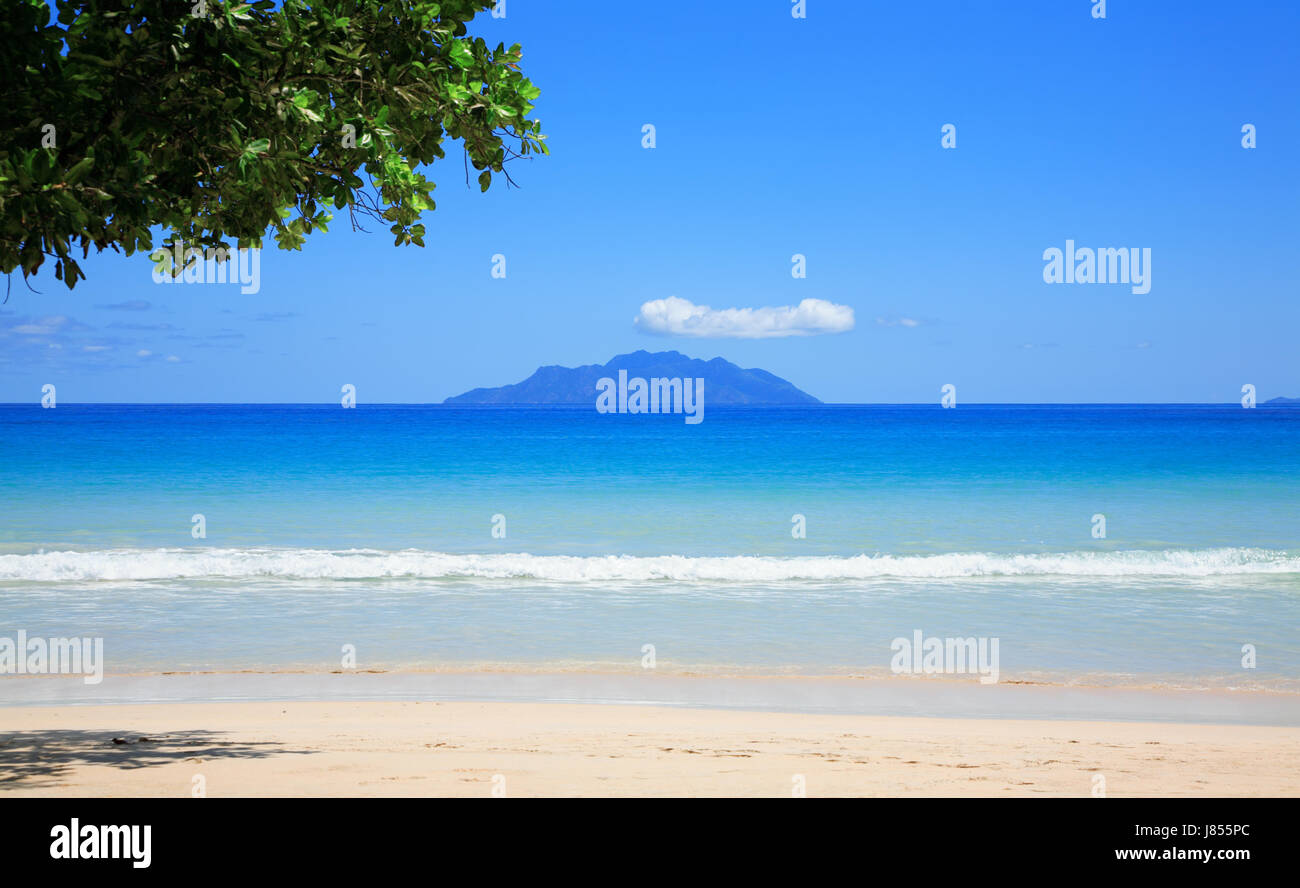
(221, 121)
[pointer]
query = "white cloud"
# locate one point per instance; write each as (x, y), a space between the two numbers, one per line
(143, 353)
(172, 359)
(898, 322)
(681, 317)
(44, 327)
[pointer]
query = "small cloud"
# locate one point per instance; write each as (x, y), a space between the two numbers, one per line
(222, 339)
(898, 322)
(96, 348)
(150, 327)
(143, 353)
(681, 317)
(1144, 344)
(172, 359)
(44, 327)
(129, 305)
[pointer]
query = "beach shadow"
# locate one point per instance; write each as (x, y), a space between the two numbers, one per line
(42, 758)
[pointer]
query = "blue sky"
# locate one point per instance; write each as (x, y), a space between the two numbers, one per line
(778, 136)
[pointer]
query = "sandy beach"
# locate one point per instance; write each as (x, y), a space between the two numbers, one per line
(469, 749)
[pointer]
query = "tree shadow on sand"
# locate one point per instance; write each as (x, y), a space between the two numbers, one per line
(31, 759)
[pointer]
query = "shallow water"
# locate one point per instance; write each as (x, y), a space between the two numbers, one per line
(374, 528)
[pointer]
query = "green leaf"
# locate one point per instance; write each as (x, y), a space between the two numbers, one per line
(460, 54)
(78, 172)
(246, 110)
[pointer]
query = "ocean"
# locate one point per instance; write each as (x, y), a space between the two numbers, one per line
(522, 539)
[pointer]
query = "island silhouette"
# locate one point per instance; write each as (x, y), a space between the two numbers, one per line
(727, 383)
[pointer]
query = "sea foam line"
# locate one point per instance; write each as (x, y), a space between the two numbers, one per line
(364, 564)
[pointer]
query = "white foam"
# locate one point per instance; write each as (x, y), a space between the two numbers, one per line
(362, 564)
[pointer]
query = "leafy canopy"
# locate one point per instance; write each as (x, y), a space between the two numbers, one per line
(219, 121)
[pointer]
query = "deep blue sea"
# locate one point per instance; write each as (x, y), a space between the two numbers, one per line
(374, 527)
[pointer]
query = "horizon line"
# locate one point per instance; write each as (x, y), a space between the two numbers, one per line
(570, 406)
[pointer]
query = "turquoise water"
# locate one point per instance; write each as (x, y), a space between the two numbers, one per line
(374, 527)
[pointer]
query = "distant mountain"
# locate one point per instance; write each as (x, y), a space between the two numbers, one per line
(724, 382)
(1281, 402)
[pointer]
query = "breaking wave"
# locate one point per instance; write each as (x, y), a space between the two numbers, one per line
(365, 564)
